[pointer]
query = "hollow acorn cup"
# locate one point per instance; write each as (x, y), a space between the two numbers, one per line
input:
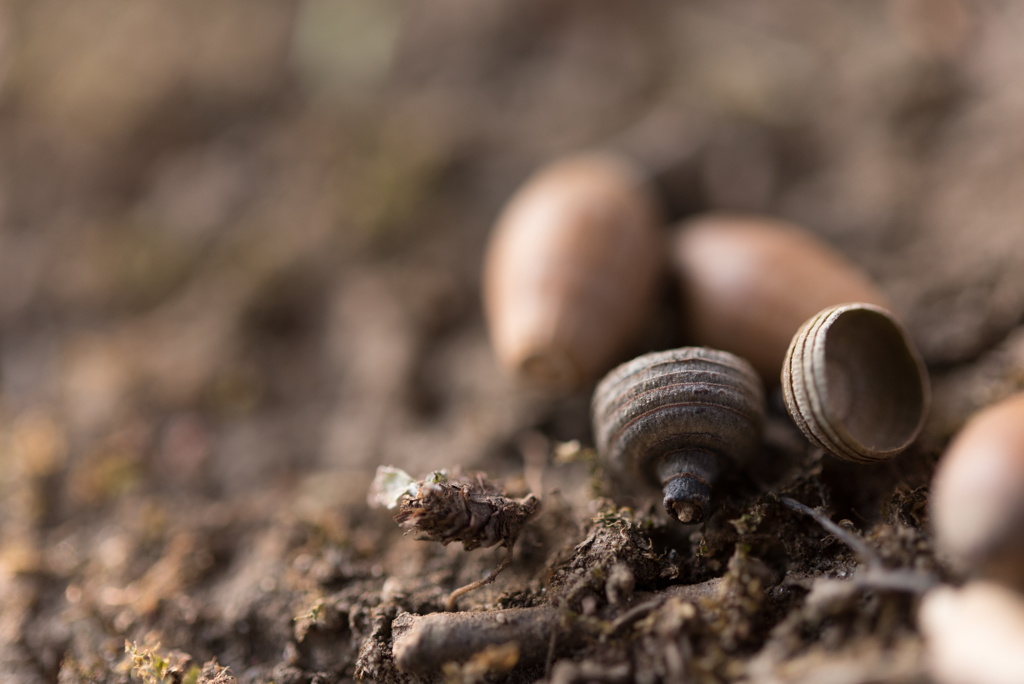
(749, 282)
(977, 494)
(676, 419)
(571, 270)
(854, 383)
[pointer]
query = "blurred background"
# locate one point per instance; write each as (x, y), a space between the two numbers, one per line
(240, 248)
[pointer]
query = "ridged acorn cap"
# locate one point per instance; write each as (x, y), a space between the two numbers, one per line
(854, 383)
(688, 399)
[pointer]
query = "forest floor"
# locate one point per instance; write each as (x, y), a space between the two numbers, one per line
(240, 251)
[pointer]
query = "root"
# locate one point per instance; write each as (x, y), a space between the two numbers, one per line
(875, 575)
(453, 597)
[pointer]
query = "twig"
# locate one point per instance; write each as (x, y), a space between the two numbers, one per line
(691, 593)
(636, 612)
(859, 546)
(875, 575)
(550, 659)
(535, 448)
(453, 597)
(423, 643)
(906, 581)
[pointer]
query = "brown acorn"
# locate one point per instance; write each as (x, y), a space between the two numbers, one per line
(854, 383)
(977, 494)
(676, 420)
(973, 634)
(571, 271)
(749, 282)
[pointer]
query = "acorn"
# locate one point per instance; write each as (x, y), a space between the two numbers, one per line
(677, 420)
(973, 634)
(749, 282)
(571, 271)
(977, 494)
(854, 383)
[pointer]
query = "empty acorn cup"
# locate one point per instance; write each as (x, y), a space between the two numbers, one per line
(676, 420)
(854, 383)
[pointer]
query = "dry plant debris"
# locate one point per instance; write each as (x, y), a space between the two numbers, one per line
(153, 667)
(464, 508)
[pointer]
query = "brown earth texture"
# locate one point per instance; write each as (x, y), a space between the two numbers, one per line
(240, 256)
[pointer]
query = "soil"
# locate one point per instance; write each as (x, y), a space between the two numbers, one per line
(240, 251)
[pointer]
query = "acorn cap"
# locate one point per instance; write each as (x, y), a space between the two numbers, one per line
(854, 383)
(691, 399)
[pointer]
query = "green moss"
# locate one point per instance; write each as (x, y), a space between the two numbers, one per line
(152, 667)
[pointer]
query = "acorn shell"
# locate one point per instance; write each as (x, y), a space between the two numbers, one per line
(854, 383)
(748, 283)
(973, 634)
(571, 271)
(687, 399)
(977, 494)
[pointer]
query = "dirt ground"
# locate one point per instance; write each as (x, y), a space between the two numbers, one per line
(240, 249)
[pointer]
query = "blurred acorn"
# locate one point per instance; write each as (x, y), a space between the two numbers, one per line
(977, 495)
(854, 383)
(973, 634)
(571, 270)
(749, 283)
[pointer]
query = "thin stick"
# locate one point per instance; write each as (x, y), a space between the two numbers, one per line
(535, 448)
(550, 659)
(874, 575)
(858, 545)
(635, 613)
(905, 581)
(452, 597)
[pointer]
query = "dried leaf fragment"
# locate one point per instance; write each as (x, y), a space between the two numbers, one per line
(472, 511)
(468, 509)
(389, 486)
